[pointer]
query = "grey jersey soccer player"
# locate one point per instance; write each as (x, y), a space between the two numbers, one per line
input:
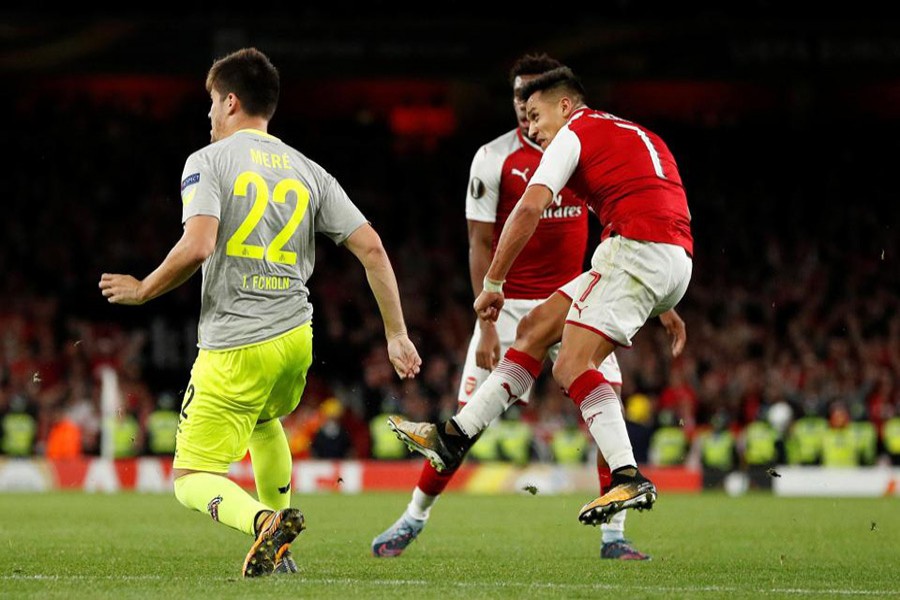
(251, 207)
(261, 191)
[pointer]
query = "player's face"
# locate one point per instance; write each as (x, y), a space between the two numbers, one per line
(518, 105)
(546, 116)
(216, 116)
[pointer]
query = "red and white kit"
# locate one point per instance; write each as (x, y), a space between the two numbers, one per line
(553, 257)
(642, 266)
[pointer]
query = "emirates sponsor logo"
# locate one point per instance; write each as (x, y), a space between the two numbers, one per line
(562, 212)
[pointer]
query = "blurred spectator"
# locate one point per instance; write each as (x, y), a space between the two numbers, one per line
(759, 445)
(839, 446)
(64, 439)
(127, 435)
(162, 426)
(332, 440)
(804, 442)
(18, 427)
(516, 440)
(679, 398)
(891, 439)
(385, 444)
(300, 427)
(669, 442)
(639, 420)
(718, 449)
(570, 445)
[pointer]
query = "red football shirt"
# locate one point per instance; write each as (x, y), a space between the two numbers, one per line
(554, 255)
(625, 173)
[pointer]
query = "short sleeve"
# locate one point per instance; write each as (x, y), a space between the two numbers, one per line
(337, 217)
(559, 161)
(483, 193)
(200, 190)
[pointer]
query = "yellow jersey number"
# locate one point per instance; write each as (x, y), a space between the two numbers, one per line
(275, 251)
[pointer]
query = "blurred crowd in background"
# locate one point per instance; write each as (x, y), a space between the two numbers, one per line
(793, 310)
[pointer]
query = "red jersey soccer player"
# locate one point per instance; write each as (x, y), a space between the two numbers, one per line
(536, 291)
(641, 268)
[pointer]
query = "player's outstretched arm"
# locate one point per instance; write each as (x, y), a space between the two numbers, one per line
(196, 244)
(676, 329)
(366, 245)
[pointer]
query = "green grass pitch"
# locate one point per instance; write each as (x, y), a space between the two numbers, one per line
(74, 545)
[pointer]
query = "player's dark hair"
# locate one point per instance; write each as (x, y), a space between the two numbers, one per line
(532, 64)
(249, 75)
(560, 78)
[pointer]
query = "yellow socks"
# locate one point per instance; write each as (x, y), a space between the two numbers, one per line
(222, 499)
(272, 464)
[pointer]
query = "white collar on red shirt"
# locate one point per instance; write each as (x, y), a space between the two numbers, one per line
(527, 140)
(578, 112)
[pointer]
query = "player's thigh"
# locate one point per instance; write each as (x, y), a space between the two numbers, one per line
(290, 357)
(220, 407)
(617, 296)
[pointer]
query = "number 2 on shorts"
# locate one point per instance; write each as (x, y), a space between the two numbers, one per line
(188, 397)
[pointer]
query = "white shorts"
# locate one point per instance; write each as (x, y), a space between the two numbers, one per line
(514, 311)
(629, 282)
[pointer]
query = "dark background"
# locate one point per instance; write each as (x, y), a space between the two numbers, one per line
(784, 123)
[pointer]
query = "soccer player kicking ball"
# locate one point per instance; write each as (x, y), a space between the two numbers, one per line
(251, 208)
(641, 268)
(554, 256)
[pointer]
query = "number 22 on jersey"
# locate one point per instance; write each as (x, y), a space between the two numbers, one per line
(274, 251)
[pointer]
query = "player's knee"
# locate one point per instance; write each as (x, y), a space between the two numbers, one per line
(182, 486)
(180, 493)
(564, 371)
(524, 329)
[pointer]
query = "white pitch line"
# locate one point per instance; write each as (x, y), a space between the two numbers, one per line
(83, 577)
(717, 589)
(604, 586)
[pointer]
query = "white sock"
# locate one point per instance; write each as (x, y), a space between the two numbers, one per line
(419, 507)
(503, 387)
(615, 529)
(602, 412)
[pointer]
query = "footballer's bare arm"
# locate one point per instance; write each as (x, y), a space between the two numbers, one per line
(196, 244)
(366, 245)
